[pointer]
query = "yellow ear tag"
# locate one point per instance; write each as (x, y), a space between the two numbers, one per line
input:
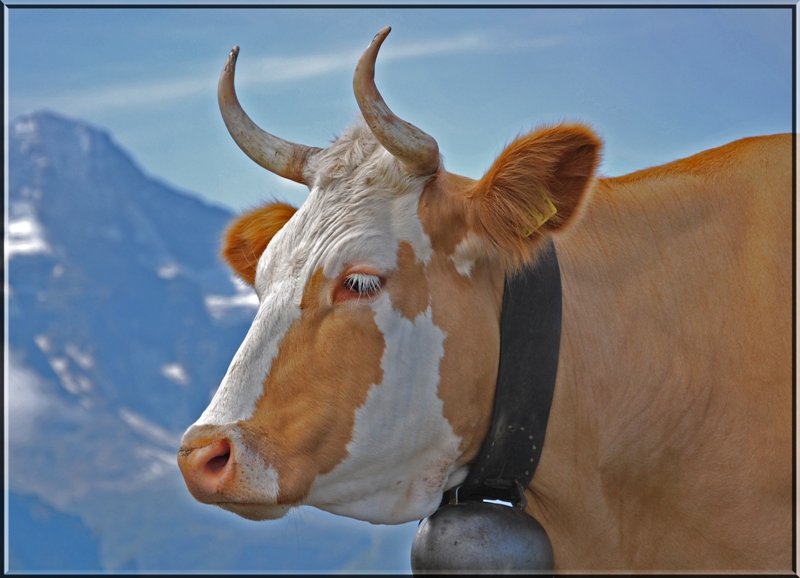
(541, 218)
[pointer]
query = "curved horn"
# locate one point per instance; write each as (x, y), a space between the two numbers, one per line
(413, 147)
(281, 157)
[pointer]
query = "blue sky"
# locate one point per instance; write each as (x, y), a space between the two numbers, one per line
(656, 83)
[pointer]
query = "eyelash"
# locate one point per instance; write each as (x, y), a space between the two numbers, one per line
(363, 284)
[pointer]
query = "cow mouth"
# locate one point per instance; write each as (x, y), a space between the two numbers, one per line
(254, 510)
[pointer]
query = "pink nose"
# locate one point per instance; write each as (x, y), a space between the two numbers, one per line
(205, 467)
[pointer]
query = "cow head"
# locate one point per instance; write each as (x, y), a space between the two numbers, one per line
(366, 382)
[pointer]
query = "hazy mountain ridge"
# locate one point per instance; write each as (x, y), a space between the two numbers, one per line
(122, 322)
(116, 252)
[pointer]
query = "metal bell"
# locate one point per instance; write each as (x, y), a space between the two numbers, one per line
(480, 536)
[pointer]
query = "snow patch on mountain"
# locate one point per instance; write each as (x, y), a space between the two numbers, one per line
(26, 399)
(218, 306)
(43, 343)
(82, 358)
(25, 234)
(168, 270)
(74, 383)
(27, 133)
(175, 373)
(152, 432)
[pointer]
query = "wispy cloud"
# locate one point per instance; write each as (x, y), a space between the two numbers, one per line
(263, 71)
(278, 70)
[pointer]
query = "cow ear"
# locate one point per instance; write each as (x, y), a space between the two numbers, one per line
(246, 238)
(534, 187)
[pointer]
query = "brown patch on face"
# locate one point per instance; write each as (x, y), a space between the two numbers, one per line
(468, 309)
(444, 212)
(325, 366)
(408, 286)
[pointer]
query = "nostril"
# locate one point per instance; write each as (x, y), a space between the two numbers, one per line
(207, 466)
(215, 457)
(218, 463)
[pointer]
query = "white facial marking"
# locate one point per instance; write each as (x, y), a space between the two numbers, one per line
(360, 219)
(403, 449)
(409, 227)
(365, 203)
(243, 384)
(258, 481)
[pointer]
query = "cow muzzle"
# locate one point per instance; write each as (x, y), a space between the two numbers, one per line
(220, 470)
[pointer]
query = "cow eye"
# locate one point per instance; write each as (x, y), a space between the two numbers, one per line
(363, 284)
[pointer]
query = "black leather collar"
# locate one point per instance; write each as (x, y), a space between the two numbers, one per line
(530, 336)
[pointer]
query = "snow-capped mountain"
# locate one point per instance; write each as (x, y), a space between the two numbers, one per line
(122, 322)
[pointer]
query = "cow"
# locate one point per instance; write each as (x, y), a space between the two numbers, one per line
(365, 384)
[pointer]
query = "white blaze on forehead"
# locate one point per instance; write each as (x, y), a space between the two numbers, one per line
(363, 204)
(368, 223)
(403, 449)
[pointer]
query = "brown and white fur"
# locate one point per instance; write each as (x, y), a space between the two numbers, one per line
(366, 382)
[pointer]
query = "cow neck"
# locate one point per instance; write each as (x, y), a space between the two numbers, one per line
(530, 336)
